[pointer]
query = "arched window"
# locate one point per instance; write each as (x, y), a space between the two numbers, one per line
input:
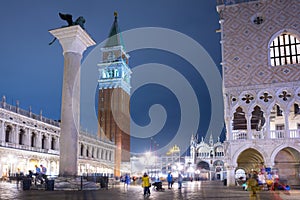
(81, 149)
(87, 152)
(53, 142)
(239, 120)
(8, 134)
(93, 151)
(284, 50)
(43, 142)
(21, 137)
(33, 139)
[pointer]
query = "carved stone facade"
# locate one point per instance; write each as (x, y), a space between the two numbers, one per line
(206, 158)
(27, 139)
(261, 86)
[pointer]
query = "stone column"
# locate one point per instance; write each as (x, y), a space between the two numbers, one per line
(2, 135)
(231, 175)
(38, 140)
(286, 124)
(74, 41)
(228, 128)
(268, 133)
(249, 131)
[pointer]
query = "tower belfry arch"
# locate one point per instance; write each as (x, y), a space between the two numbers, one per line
(114, 95)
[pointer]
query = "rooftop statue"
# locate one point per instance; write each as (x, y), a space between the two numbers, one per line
(69, 18)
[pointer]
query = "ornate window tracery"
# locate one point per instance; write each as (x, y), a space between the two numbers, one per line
(285, 49)
(265, 97)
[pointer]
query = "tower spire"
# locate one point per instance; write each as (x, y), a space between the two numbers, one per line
(115, 38)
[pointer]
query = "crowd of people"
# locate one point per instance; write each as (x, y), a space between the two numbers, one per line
(38, 175)
(146, 182)
(263, 181)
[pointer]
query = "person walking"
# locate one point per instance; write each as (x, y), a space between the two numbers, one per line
(170, 180)
(252, 187)
(180, 179)
(127, 181)
(19, 176)
(146, 184)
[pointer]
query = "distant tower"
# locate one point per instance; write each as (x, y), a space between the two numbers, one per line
(114, 95)
(211, 140)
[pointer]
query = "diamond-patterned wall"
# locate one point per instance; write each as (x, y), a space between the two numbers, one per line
(246, 44)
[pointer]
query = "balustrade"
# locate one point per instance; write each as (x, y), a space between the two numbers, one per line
(274, 134)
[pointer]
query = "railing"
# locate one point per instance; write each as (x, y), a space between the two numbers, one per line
(231, 2)
(295, 133)
(274, 134)
(239, 135)
(29, 114)
(277, 134)
(257, 135)
(94, 136)
(28, 148)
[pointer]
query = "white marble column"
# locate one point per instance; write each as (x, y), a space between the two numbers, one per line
(286, 124)
(249, 132)
(38, 140)
(228, 128)
(231, 175)
(74, 41)
(2, 131)
(268, 133)
(28, 137)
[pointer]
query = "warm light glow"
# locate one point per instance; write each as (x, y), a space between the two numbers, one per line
(191, 170)
(179, 166)
(148, 154)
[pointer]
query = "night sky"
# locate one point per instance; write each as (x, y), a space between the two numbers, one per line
(165, 40)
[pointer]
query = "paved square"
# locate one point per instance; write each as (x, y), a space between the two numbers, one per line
(191, 190)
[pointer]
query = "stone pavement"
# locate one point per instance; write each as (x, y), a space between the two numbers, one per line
(212, 190)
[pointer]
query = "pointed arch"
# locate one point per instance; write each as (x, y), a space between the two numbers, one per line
(239, 119)
(257, 118)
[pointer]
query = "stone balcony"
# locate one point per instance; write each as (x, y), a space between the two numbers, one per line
(274, 134)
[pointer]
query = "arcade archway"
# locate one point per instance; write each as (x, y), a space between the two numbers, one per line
(287, 162)
(250, 160)
(202, 171)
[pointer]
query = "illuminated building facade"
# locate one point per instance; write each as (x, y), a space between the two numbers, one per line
(260, 41)
(27, 139)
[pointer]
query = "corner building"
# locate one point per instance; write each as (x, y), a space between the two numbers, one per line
(114, 96)
(261, 86)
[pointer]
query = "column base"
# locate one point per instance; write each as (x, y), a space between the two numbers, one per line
(74, 183)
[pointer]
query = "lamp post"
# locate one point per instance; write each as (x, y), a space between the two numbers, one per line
(153, 148)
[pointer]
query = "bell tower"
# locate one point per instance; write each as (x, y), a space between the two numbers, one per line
(114, 96)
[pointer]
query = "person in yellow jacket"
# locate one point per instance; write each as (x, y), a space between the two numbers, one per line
(146, 184)
(252, 186)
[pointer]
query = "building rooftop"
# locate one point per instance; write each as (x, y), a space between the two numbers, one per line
(115, 38)
(232, 2)
(27, 113)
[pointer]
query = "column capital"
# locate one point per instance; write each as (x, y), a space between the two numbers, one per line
(73, 39)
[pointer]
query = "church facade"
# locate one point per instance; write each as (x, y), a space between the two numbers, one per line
(206, 159)
(28, 139)
(260, 42)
